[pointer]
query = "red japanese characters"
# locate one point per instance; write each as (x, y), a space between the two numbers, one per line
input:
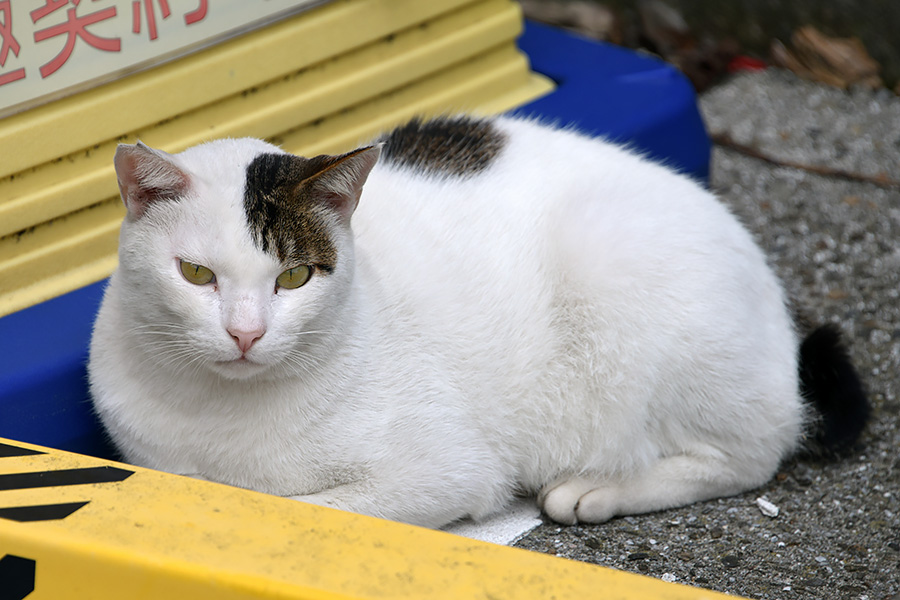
(78, 25)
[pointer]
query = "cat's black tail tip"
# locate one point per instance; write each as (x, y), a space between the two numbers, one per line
(830, 383)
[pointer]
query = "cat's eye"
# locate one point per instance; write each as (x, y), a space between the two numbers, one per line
(196, 274)
(294, 278)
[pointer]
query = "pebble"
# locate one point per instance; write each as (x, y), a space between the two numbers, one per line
(731, 561)
(767, 508)
(594, 543)
(638, 556)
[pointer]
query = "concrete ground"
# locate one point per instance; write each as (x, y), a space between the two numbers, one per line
(834, 237)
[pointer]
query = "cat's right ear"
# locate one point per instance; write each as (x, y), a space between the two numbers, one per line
(147, 176)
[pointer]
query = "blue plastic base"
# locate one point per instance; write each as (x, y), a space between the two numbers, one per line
(602, 90)
(618, 94)
(43, 382)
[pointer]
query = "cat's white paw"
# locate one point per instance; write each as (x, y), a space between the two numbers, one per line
(578, 500)
(598, 505)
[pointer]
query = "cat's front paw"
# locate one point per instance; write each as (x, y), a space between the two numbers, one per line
(579, 500)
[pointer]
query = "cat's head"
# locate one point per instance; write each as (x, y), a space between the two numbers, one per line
(235, 256)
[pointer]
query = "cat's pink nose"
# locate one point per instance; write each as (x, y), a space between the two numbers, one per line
(246, 339)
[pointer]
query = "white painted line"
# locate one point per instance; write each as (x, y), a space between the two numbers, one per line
(504, 528)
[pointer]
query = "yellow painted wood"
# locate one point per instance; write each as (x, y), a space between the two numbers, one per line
(488, 84)
(60, 256)
(155, 535)
(97, 115)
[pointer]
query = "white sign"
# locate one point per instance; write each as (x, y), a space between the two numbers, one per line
(51, 48)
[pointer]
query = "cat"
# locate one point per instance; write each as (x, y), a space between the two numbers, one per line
(466, 310)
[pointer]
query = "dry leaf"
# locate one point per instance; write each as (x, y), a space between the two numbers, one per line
(840, 62)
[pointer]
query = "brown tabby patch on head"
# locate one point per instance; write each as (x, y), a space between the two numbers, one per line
(452, 146)
(285, 218)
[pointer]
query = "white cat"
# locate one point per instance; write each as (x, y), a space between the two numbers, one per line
(509, 309)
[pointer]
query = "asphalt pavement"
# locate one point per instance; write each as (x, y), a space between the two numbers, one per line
(812, 171)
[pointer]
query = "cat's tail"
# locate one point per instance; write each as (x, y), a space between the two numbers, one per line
(830, 384)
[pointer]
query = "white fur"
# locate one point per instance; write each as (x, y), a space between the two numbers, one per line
(575, 320)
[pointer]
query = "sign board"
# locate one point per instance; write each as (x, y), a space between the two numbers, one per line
(52, 48)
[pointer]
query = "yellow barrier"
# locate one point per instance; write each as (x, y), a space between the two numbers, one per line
(74, 527)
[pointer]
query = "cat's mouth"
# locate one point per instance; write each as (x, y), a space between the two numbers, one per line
(242, 360)
(238, 368)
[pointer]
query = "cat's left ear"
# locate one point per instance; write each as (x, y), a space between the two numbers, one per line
(341, 181)
(146, 176)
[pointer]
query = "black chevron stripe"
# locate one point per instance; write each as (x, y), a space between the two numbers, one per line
(39, 479)
(17, 576)
(42, 512)
(7, 451)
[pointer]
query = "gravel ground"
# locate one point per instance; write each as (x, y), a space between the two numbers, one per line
(836, 243)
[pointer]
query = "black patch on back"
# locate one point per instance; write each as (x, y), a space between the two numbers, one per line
(452, 146)
(284, 218)
(829, 382)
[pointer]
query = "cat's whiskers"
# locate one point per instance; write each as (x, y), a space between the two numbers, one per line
(165, 345)
(178, 360)
(155, 327)
(294, 363)
(158, 335)
(193, 366)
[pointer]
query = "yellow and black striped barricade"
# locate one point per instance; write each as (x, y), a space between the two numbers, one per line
(79, 528)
